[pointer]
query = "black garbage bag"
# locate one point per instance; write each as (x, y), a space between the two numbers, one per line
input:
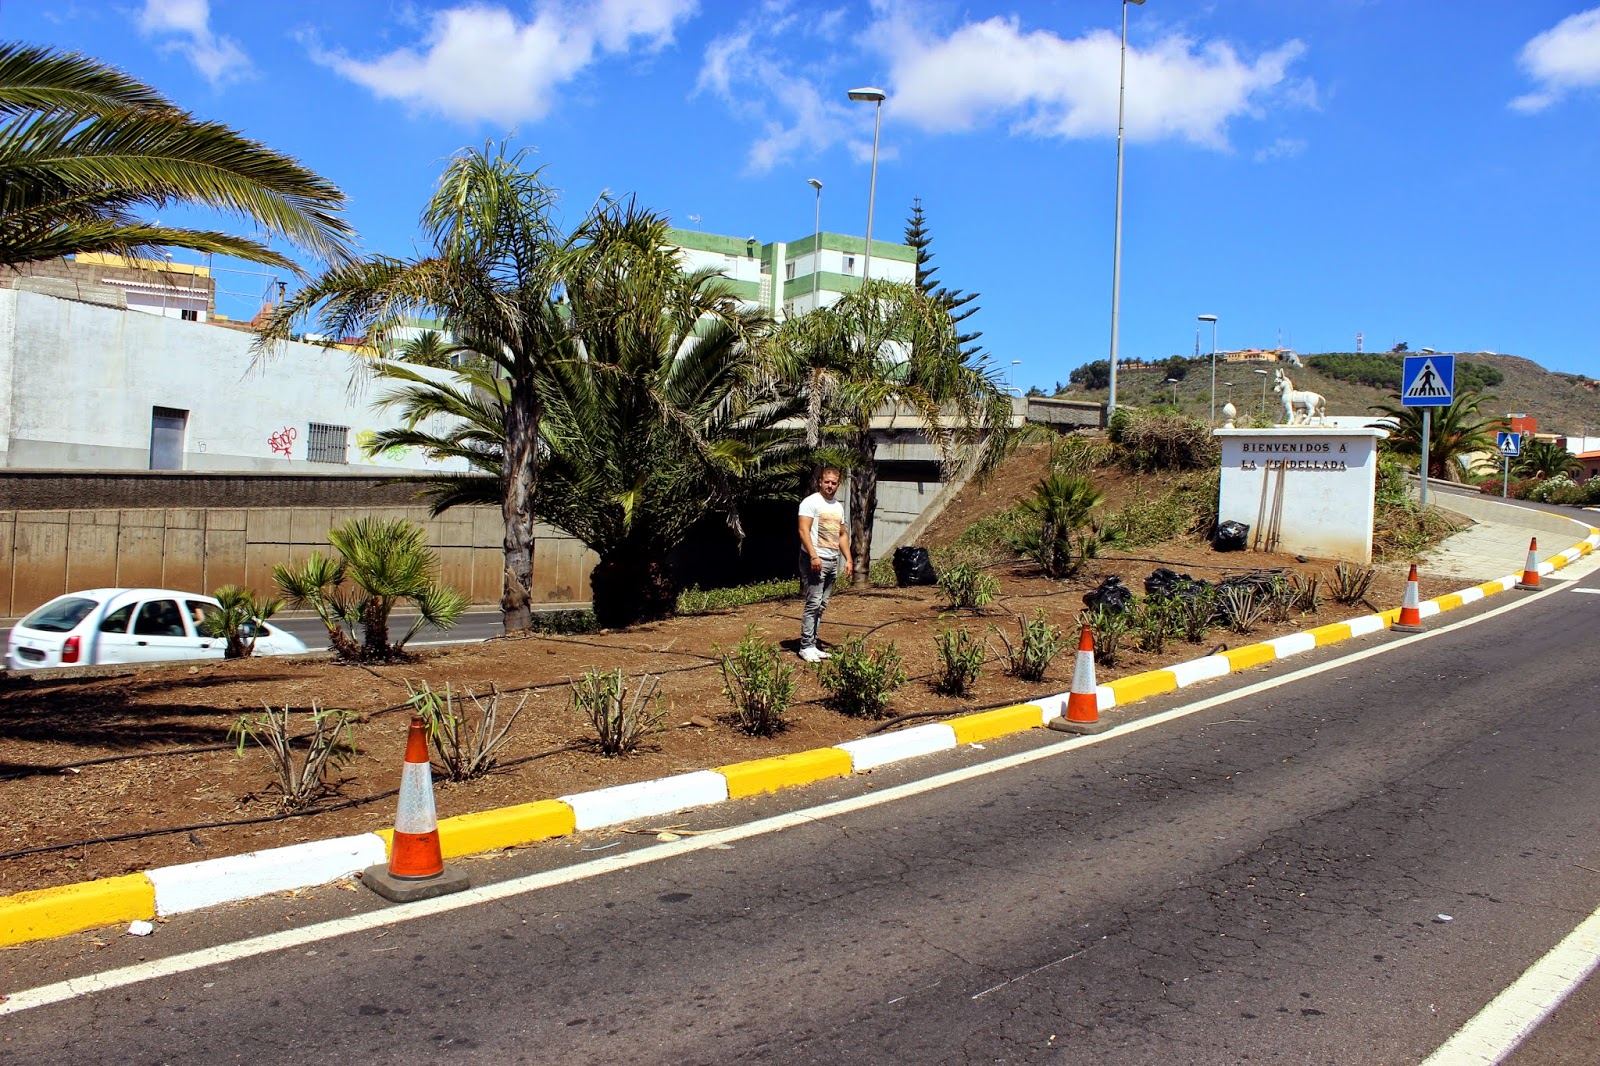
(1111, 594)
(912, 567)
(1165, 583)
(1232, 537)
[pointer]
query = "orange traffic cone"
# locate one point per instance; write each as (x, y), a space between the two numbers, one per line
(1410, 620)
(416, 868)
(1081, 711)
(1530, 569)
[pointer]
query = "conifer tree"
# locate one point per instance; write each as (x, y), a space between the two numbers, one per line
(955, 301)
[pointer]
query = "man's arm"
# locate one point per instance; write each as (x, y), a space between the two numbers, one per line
(844, 551)
(809, 544)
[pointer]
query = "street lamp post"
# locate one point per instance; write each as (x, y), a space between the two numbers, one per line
(1262, 410)
(1213, 320)
(816, 243)
(868, 94)
(1116, 245)
(1174, 383)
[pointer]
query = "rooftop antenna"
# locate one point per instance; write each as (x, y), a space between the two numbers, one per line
(696, 220)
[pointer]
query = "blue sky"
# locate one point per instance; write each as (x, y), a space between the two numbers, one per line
(1412, 170)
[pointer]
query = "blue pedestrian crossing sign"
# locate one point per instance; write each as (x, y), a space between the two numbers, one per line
(1428, 380)
(1510, 444)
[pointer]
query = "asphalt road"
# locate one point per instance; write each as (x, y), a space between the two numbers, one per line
(1342, 868)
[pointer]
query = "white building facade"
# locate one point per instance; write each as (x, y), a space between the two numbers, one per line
(84, 386)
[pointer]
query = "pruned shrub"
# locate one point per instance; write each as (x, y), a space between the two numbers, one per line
(859, 680)
(961, 657)
(620, 720)
(968, 587)
(1350, 583)
(1038, 643)
(464, 742)
(1055, 518)
(1147, 441)
(1109, 626)
(299, 779)
(758, 683)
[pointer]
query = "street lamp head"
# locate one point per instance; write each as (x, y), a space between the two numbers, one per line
(815, 183)
(1263, 373)
(869, 94)
(1208, 318)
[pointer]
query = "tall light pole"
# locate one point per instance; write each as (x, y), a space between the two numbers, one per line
(868, 94)
(1213, 320)
(1174, 383)
(816, 243)
(1116, 246)
(1262, 410)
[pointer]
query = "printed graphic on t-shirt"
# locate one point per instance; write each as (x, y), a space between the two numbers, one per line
(826, 527)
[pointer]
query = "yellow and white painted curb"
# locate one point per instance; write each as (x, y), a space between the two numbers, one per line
(170, 890)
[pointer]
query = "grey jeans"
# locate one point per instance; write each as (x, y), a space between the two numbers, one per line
(817, 590)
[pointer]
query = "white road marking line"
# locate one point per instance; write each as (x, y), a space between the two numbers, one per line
(1595, 592)
(1496, 1030)
(44, 995)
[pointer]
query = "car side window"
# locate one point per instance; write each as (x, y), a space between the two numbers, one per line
(117, 621)
(200, 614)
(159, 618)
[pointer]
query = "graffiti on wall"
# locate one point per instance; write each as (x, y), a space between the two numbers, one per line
(366, 442)
(283, 441)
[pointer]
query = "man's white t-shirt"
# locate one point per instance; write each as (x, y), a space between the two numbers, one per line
(827, 521)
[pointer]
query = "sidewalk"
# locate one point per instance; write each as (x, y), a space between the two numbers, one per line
(1497, 543)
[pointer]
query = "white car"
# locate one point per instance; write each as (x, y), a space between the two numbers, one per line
(127, 626)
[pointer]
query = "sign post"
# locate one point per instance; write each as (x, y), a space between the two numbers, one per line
(1510, 445)
(1427, 381)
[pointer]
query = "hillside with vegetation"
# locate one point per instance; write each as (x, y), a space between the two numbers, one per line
(1563, 403)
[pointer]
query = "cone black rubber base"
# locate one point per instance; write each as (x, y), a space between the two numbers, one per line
(1528, 588)
(1398, 628)
(1062, 725)
(404, 890)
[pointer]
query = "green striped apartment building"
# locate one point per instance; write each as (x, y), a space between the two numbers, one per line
(788, 279)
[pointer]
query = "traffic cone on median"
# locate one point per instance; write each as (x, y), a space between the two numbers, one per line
(416, 868)
(1530, 569)
(1410, 620)
(1081, 710)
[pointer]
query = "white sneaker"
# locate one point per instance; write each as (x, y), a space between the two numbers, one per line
(813, 655)
(824, 654)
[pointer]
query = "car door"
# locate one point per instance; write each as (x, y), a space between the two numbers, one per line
(160, 631)
(112, 641)
(197, 613)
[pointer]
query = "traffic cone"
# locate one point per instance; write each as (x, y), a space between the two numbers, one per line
(1410, 620)
(416, 868)
(1530, 569)
(1081, 709)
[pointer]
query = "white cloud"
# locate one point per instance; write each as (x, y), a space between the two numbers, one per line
(187, 25)
(1050, 86)
(1282, 148)
(984, 73)
(481, 63)
(1561, 59)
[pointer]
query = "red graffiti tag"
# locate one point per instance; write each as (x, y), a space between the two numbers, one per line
(283, 440)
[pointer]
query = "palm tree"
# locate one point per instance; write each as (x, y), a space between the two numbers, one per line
(84, 147)
(881, 349)
(495, 274)
(1457, 431)
(388, 562)
(1545, 459)
(428, 348)
(655, 421)
(1059, 507)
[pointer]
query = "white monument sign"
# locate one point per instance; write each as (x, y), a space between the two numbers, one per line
(1302, 490)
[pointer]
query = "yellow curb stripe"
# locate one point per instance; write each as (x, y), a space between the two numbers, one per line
(976, 728)
(1450, 601)
(1391, 616)
(507, 827)
(1491, 588)
(51, 912)
(783, 771)
(1331, 633)
(1140, 686)
(1249, 655)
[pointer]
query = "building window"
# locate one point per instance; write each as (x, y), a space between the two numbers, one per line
(849, 264)
(788, 272)
(167, 425)
(191, 315)
(327, 444)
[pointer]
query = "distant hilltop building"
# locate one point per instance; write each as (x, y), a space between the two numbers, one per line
(1261, 355)
(788, 278)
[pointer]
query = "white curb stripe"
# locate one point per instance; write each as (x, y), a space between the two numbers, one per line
(1367, 623)
(1471, 595)
(1202, 669)
(1105, 697)
(1293, 644)
(623, 803)
(871, 752)
(233, 877)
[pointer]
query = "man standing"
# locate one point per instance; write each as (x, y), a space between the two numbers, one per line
(824, 544)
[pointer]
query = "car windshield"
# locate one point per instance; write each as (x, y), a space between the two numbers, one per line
(60, 616)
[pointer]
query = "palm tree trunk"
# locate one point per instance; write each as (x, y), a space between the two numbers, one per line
(863, 504)
(516, 507)
(631, 585)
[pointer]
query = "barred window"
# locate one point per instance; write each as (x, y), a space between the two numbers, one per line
(327, 444)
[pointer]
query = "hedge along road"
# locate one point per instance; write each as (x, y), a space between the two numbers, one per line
(1344, 864)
